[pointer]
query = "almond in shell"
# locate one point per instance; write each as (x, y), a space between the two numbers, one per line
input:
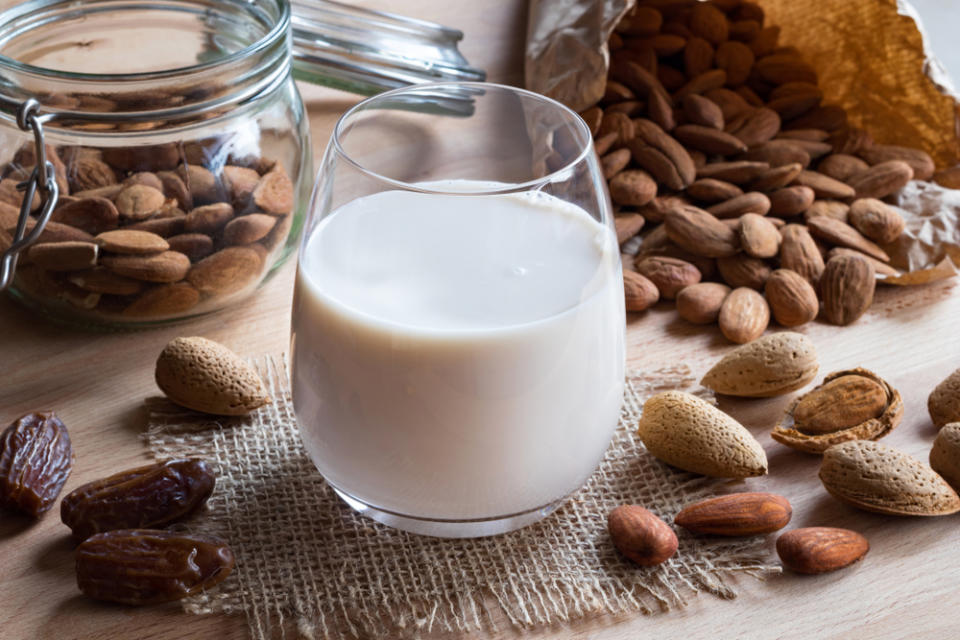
(691, 434)
(769, 366)
(944, 401)
(945, 455)
(874, 477)
(855, 404)
(206, 376)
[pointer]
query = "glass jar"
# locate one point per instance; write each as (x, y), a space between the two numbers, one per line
(180, 150)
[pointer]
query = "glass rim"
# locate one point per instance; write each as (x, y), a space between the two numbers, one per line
(528, 185)
(19, 11)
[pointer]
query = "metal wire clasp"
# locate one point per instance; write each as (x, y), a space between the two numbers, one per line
(42, 179)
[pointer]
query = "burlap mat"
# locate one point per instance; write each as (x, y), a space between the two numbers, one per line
(308, 566)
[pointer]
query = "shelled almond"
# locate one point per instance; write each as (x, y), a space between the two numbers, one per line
(152, 233)
(756, 181)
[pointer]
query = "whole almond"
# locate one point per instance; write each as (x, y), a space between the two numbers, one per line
(632, 187)
(751, 202)
(792, 299)
(641, 536)
(944, 401)
(175, 187)
(842, 167)
(776, 178)
(710, 190)
(193, 245)
(778, 153)
(875, 477)
(63, 256)
(709, 140)
(830, 208)
(131, 241)
(653, 135)
(139, 202)
(825, 186)
(614, 162)
(828, 117)
(165, 227)
(93, 215)
(203, 186)
(792, 105)
(102, 280)
(742, 270)
(640, 292)
(208, 218)
(709, 23)
(248, 229)
(697, 57)
(736, 59)
(706, 81)
(758, 127)
(945, 455)
(592, 116)
(876, 220)
(56, 232)
(744, 315)
(274, 193)
(730, 102)
(790, 201)
(701, 233)
(702, 111)
(814, 550)
(799, 253)
(669, 275)
(617, 123)
(602, 144)
(739, 172)
(147, 178)
(700, 303)
(627, 225)
(167, 266)
(89, 173)
(881, 180)
(919, 160)
(163, 301)
(206, 376)
(737, 514)
(226, 271)
(769, 366)
(758, 236)
(839, 404)
(847, 288)
(691, 434)
(780, 68)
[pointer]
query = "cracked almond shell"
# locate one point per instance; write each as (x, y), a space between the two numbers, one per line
(874, 477)
(771, 365)
(793, 435)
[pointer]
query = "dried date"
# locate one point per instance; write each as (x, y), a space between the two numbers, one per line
(35, 462)
(146, 566)
(146, 497)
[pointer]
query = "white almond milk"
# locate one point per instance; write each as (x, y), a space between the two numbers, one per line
(458, 356)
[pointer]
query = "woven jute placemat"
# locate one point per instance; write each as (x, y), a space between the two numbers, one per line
(308, 566)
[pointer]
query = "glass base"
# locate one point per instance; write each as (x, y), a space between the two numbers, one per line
(477, 528)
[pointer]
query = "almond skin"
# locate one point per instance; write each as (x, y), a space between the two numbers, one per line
(944, 401)
(691, 434)
(738, 514)
(874, 477)
(205, 376)
(769, 366)
(813, 550)
(641, 536)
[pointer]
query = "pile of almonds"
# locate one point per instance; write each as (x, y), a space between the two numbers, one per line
(840, 419)
(767, 201)
(152, 232)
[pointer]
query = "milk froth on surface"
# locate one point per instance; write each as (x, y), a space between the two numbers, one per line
(458, 356)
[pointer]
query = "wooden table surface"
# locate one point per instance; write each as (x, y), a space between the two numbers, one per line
(906, 587)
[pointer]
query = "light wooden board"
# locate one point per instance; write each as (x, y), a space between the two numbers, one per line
(97, 383)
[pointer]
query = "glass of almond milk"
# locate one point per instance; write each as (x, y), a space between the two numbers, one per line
(458, 319)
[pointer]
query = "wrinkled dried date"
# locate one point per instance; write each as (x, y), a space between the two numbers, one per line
(145, 566)
(35, 462)
(149, 496)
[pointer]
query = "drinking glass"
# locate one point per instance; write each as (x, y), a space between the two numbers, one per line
(458, 320)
